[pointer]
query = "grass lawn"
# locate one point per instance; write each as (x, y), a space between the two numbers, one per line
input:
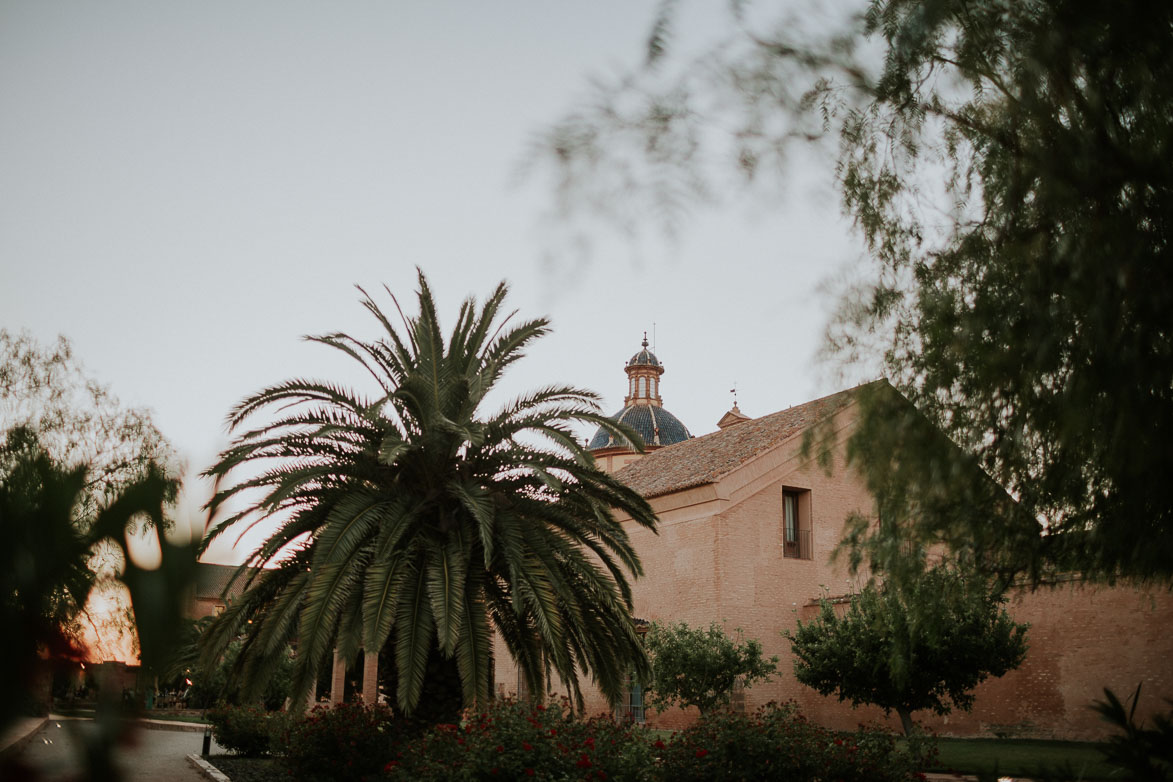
(240, 769)
(1023, 757)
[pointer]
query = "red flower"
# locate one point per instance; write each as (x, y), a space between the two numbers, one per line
(583, 761)
(659, 744)
(526, 746)
(590, 742)
(392, 764)
(700, 753)
(500, 748)
(529, 772)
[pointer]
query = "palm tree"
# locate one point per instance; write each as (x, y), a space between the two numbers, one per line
(412, 520)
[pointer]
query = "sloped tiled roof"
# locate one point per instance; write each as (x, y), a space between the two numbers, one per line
(706, 459)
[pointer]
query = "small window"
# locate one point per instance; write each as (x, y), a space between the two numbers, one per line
(796, 533)
(643, 386)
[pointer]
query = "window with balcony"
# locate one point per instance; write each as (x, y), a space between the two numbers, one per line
(796, 532)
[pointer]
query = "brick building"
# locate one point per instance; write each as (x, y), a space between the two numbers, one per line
(747, 526)
(215, 587)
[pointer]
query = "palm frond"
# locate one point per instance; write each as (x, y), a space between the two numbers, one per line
(415, 632)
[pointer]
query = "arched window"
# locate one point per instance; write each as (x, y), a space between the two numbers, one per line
(643, 386)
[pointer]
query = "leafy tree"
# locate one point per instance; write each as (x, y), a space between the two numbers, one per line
(414, 519)
(924, 645)
(45, 390)
(1009, 166)
(699, 667)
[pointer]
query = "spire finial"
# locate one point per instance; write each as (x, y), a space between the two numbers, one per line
(734, 392)
(645, 342)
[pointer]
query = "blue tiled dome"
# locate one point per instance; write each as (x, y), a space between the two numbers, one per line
(644, 358)
(654, 424)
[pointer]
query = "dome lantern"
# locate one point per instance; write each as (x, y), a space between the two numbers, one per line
(643, 410)
(643, 378)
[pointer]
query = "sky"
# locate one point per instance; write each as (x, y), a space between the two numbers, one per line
(186, 189)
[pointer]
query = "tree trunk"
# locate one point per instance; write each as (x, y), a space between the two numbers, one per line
(906, 721)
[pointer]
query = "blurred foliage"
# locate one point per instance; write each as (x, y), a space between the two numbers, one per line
(925, 645)
(46, 392)
(1145, 754)
(44, 575)
(78, 472)
(700, 666)
(1010, 167)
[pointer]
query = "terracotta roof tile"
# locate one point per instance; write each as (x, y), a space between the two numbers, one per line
(706, 459)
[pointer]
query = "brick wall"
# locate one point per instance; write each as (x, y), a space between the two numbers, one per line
(718, 557)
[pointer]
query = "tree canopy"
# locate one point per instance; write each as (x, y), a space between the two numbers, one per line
(414, 518)
(77, 420)
(925, 645)
(700, 666)
(1009, 166)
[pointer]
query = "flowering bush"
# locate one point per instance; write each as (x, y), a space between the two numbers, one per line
(511, 740)
(346, 742)
(777, 742)
(244, 730)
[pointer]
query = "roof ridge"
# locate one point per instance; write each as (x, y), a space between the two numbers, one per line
(708, 458)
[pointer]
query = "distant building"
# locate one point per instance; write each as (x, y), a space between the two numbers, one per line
(747, 524)
(214, 589)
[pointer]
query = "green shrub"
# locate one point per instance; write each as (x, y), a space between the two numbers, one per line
(348, 741)
(777, 742)
(511, 740)
(243, 730)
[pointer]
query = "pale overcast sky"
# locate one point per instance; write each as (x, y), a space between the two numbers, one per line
(187, 188)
